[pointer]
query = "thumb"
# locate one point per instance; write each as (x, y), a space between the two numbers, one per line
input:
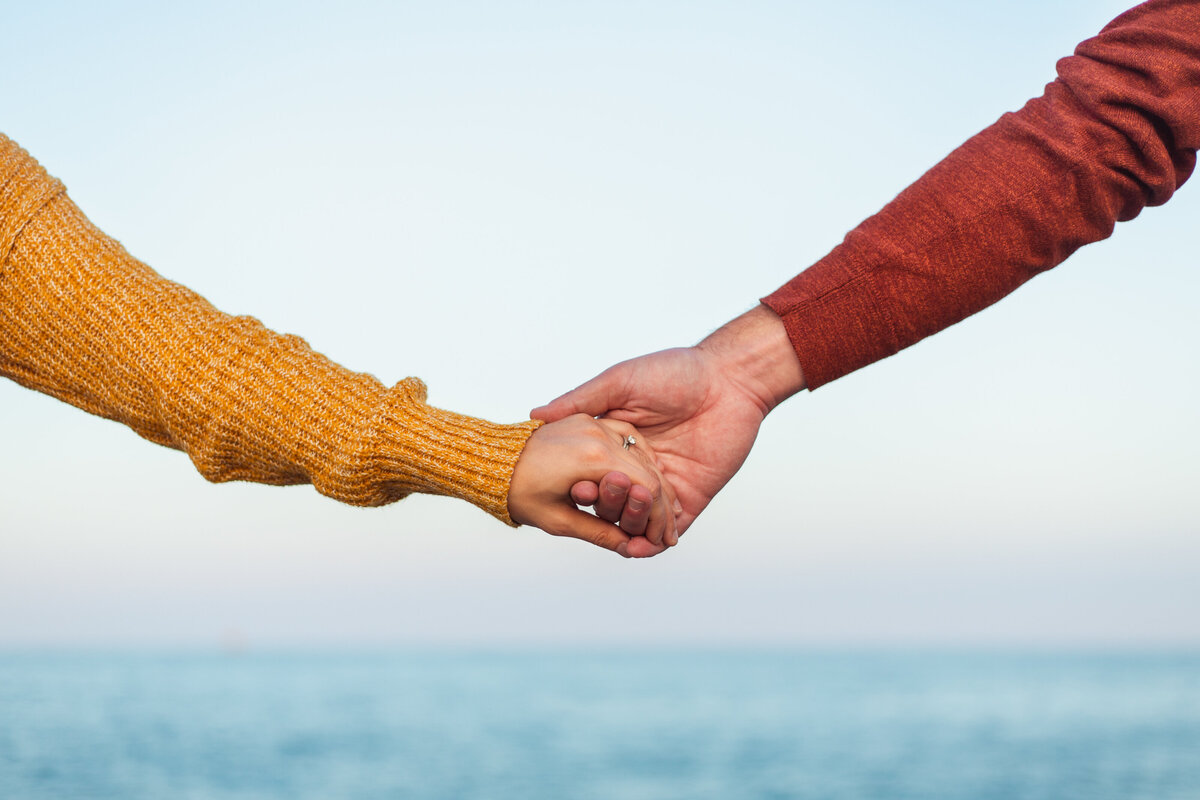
(581, 525)
(598, 396)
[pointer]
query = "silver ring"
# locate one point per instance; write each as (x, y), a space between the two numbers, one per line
(628, 441)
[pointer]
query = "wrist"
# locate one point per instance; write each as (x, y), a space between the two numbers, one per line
(421, 448)
(754, 351)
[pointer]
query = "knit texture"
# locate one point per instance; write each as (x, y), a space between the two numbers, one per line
(1117, 131)
(82, 320)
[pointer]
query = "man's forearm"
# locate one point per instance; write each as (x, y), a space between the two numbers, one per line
(754, 350)
(1117, 131)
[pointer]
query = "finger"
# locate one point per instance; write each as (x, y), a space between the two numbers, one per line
(641, 547)
(659, 519)
(582, 525)
(614, 488)
(645, 451)
(637, 511)
(585, 493)
(672, 506)
(660, 527)
(658, 515)
(671, 538)
(602, 393)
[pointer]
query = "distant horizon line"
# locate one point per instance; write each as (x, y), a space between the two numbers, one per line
(432, 647)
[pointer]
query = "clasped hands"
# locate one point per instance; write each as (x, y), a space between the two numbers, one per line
(695, 412)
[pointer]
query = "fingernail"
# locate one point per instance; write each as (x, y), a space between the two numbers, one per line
(636, 505)
(615, 491)
(678, 508)
(623, 550)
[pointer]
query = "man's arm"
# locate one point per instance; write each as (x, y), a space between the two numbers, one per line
(1117, 131)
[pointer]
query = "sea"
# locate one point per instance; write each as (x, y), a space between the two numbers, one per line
(609, 724)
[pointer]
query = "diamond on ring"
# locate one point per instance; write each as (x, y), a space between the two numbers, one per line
(629, 440)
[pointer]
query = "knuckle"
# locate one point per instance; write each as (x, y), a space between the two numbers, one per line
(654, 486)
(594, 452)
(615, 486)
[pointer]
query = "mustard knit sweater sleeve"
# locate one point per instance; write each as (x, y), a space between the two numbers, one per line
(82, 320)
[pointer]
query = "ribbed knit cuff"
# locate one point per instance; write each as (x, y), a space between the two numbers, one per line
(833, 334)
(420, 448)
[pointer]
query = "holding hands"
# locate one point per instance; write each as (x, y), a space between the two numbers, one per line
(610, 457)
(247, 403)
(699, 408)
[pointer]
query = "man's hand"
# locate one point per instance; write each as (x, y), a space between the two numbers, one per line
(700, 407)
(700, 423)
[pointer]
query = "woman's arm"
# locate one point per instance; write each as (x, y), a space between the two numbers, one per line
(84, 321)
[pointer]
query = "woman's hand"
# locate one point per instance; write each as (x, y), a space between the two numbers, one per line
(630, 487)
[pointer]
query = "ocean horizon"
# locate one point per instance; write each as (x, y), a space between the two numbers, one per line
(614, 722)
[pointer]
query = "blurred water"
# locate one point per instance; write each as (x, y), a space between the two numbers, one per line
(611, 725)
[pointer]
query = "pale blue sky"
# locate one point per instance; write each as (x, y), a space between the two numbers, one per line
(504, 198)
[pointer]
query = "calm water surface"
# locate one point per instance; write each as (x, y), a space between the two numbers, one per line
(609, 725)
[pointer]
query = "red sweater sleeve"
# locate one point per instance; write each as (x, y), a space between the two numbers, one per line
(1116, 131)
